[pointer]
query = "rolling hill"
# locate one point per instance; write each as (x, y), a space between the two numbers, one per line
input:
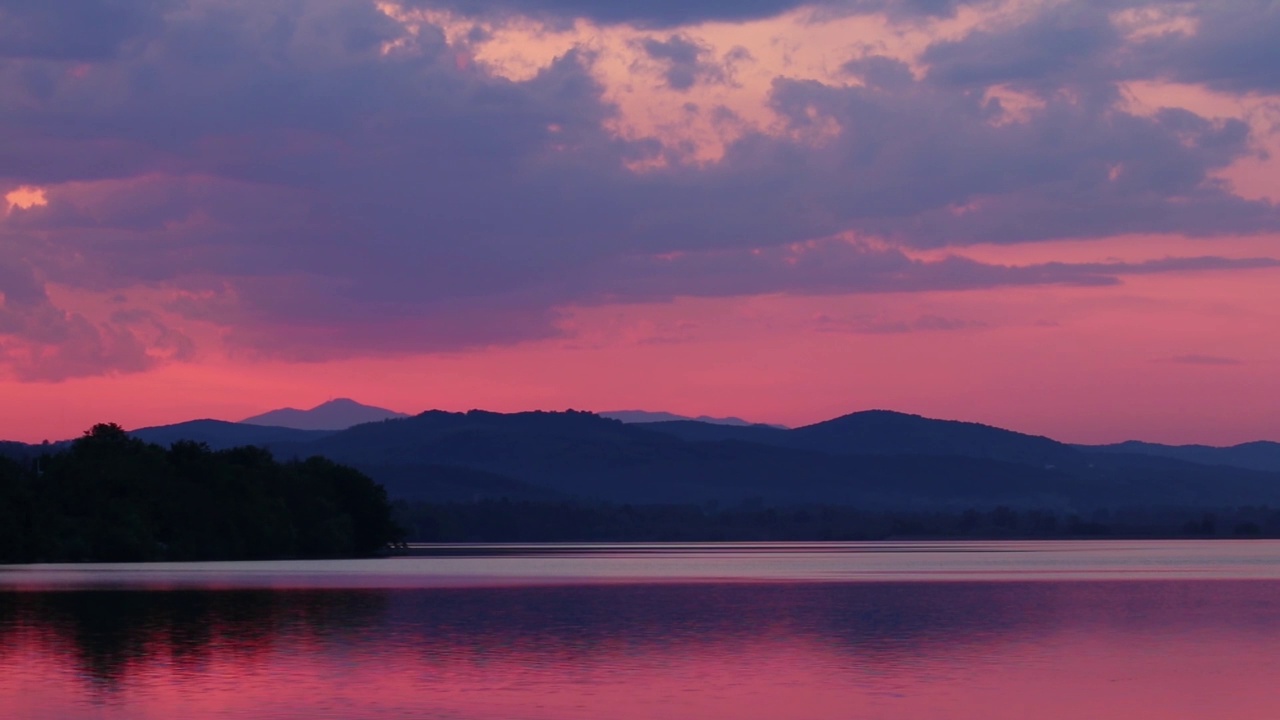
(337, 414)
(873, 460)
(1263, 456)
(221, 435)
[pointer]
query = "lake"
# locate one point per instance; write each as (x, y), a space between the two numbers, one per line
(910, 631)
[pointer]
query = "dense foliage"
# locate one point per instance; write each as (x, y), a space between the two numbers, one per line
(110, 497)
(531, 521)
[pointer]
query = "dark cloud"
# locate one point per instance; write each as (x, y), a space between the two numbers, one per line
(269, 168)
(654, 13)
(1069, 44)
(1227, 46)
(83, 30)
(1235, 47)
(930, 167)
(880, 72)
(841, 267)
(674, 13)
(686, 62)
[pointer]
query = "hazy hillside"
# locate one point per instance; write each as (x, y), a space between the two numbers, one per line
(337, 414)
(220, 435)
(646, 416)
(1263, 456)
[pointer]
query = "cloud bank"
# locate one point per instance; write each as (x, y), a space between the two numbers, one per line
(327, 178)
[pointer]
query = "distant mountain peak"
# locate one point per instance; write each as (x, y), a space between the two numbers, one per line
(339, 402)
(647, 416)
(336, 414)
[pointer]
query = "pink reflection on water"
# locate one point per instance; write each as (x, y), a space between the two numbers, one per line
(920, 651)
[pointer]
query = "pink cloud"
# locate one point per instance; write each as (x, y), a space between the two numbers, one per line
(303, 195)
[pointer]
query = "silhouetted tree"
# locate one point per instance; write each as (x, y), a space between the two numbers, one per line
(111, 497)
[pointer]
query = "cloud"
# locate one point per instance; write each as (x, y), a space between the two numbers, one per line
(686, 62)
(838, 266)
(319, 179)
(91, 30)
(1066, 44)
(880, 72)
(874, 325)
(928, 167)
(1210, 360)
(666, 14)
(40, 341)
(655, 13)
(1090, 44)
(1233, 47)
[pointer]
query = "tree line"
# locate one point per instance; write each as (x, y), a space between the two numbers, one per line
(113, 498)
(501, 520)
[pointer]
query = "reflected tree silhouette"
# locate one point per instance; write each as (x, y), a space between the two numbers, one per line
(111, 635)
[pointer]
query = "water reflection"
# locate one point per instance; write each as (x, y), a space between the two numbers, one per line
(917, 650)
(108, 635)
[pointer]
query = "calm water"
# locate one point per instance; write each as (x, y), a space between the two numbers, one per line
(851, 631)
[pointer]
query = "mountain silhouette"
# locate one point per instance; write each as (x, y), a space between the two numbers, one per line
(1261, 455)
(17, 450)
(873, 460)
(222, 435)
(883, 432)
(582, 455)
(337, 414)
(646, 416)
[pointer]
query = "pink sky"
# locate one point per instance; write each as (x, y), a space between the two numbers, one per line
(1054, 218)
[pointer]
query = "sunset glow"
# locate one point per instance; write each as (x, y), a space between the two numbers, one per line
(1059, 218)
(25, 198)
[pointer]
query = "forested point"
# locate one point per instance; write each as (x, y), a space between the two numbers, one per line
(114, 498)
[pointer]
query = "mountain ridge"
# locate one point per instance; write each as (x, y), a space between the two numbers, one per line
(223, 435)
(1261, 455)
(336, 414)
(875, 458)
(639, 417)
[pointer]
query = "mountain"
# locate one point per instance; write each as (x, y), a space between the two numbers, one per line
(872, 460)
(882, 432)
(337, 414)
(451, 483)
(645, 416)
(1263, 455)
(577, 454)
(698, 431)
(221, 435)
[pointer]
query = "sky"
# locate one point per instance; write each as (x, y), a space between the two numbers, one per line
(1058, 217)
